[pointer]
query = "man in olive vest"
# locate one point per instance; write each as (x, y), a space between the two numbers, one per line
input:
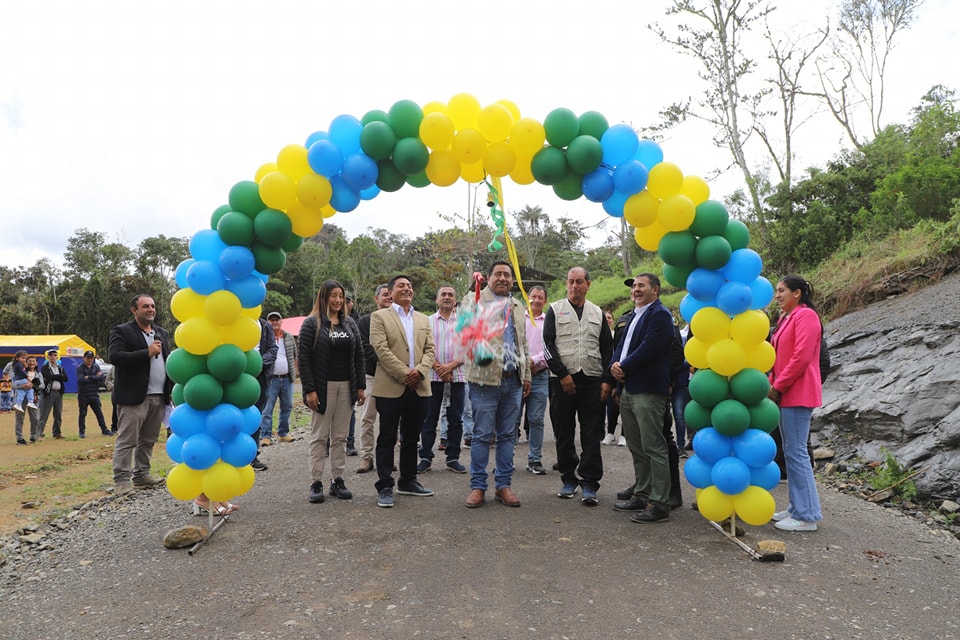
(578, 346)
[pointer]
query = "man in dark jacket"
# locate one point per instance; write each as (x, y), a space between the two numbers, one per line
(268, 351)
(54, 379)
(383, 299)
(89, 377)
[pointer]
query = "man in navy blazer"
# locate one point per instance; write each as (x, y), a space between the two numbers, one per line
(138, 351)
(641, 366)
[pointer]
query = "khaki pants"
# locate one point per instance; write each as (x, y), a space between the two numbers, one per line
(335, 425)
(368, 422)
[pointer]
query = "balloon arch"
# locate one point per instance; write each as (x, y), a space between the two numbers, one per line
(223, 284)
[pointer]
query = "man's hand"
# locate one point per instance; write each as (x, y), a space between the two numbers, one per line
(617, 372)
(361, 397)
(526, 389)
(311, 400)
(605, 391)
(569, 386)
(412, 379)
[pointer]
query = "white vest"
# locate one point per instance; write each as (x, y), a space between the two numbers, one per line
(578, 339)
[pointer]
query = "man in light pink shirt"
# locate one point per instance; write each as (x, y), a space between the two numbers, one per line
(536, 402)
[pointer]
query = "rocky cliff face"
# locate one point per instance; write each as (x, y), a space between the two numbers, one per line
(895, 384)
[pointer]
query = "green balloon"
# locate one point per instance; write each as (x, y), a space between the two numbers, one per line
(236, 229)
(549, 165)
(268, 260)
(765, 415)
(293, 243)
(678, 247)
(730, 417)
(710, 219)
(183, 365)
(569, 187)
(226, 362)
(176, 396)
(374, 115)
(713, 252)
(242, 392)
(254, 362)
(696, 415)
(676, 275)
(377, 140)
(561, 126)
(404, 118)
(593, 123)
(203, 392)
(419, 180)
(737, 235)
(410, 156)
(584, 154)
(389, 179)
(709, 388)
(749, 386)
(272, 227)
(218, 213)
(245, 198)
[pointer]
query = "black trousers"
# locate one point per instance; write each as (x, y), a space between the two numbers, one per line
(93, 402)
(403, 415)
(673, 453)
(565, 411)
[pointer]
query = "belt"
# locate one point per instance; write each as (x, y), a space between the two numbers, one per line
(508, 374)
(281, 376)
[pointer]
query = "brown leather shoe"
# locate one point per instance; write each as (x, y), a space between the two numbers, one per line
(366, 465)
(475, 499)
(507, 497)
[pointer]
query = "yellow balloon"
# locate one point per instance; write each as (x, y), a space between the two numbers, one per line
(726, 357)
(264, 169)
(292, 160)
(511, 107)
(472, 172)
(221, 482)
(527, 136)
(314, 191)
(247, 478)
(695, 351)
(443, 168)
(710, 324)
(665, 179)
(222, 307)
(436, 131)
(469, 146)
(245, 333)
(464, 109)
(676, 212)
(252, 312)
(755, 505)
(306, 221)
(695, 188)
(327, 211)
(186, 304)
(522, 174)
(495, 122)
(640, 209)
(761, 357)
(199, 336)
(499, 159)
(713, 504)
(750, 328)
(277, 190)
(183, 483)
(434, 106)
(649, 237)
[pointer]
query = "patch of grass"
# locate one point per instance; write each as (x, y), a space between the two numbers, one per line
(889, 473)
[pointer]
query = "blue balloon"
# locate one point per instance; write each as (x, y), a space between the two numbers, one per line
(200, 451)
(325, 158)
(359, 171)
(314, 137)
(734, 298)
(345, 133)
(703, 284)
(174, 445)
(224, 422)
(263, 277)
(711, 445)
(690, 305)
(755, 447)
(619, 143)
(730, 475)
(344, 198)
(240, 451)
(697, 472)
(766, 477)
(185, 421)
(371, 192)
(206, 245)
(250, 290)
(762, 293)
(649, 153)
(597, 185)
(181, 275)
(743, 266)
(614, 204)
(237, 262)
(251, 420)
(205, 277)
(630, 177)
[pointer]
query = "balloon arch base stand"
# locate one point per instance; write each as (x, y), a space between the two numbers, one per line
(764, 551)
(211, 528)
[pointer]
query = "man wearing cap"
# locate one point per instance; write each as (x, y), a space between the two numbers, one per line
(89, 377)
(54, 377)
(279, 384)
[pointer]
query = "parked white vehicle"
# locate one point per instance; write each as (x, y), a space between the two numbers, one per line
(107, 370)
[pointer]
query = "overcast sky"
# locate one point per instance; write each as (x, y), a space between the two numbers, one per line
(136, 118)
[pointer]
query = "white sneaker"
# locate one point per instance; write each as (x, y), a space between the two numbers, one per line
(790, 524)
(18, 407)
(621, 442)
(781, 515)
(31, 405)
(608, 439)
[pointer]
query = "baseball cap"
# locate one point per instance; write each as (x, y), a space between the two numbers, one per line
(274, 314)
(88, 354)
(52, 352)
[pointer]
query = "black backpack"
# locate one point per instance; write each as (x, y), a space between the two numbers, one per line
(824, 359)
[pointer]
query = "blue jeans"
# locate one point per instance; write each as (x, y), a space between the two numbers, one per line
(428, 434)
(536, 407)
(802, 488)
(495, 411)
(277, 387)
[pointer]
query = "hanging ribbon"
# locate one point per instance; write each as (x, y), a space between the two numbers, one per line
(500, 224)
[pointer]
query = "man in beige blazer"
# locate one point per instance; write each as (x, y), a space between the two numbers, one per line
(403, 342)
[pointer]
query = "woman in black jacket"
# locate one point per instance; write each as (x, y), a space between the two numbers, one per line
(332, 374)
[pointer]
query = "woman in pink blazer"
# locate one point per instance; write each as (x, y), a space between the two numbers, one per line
(795, 387)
